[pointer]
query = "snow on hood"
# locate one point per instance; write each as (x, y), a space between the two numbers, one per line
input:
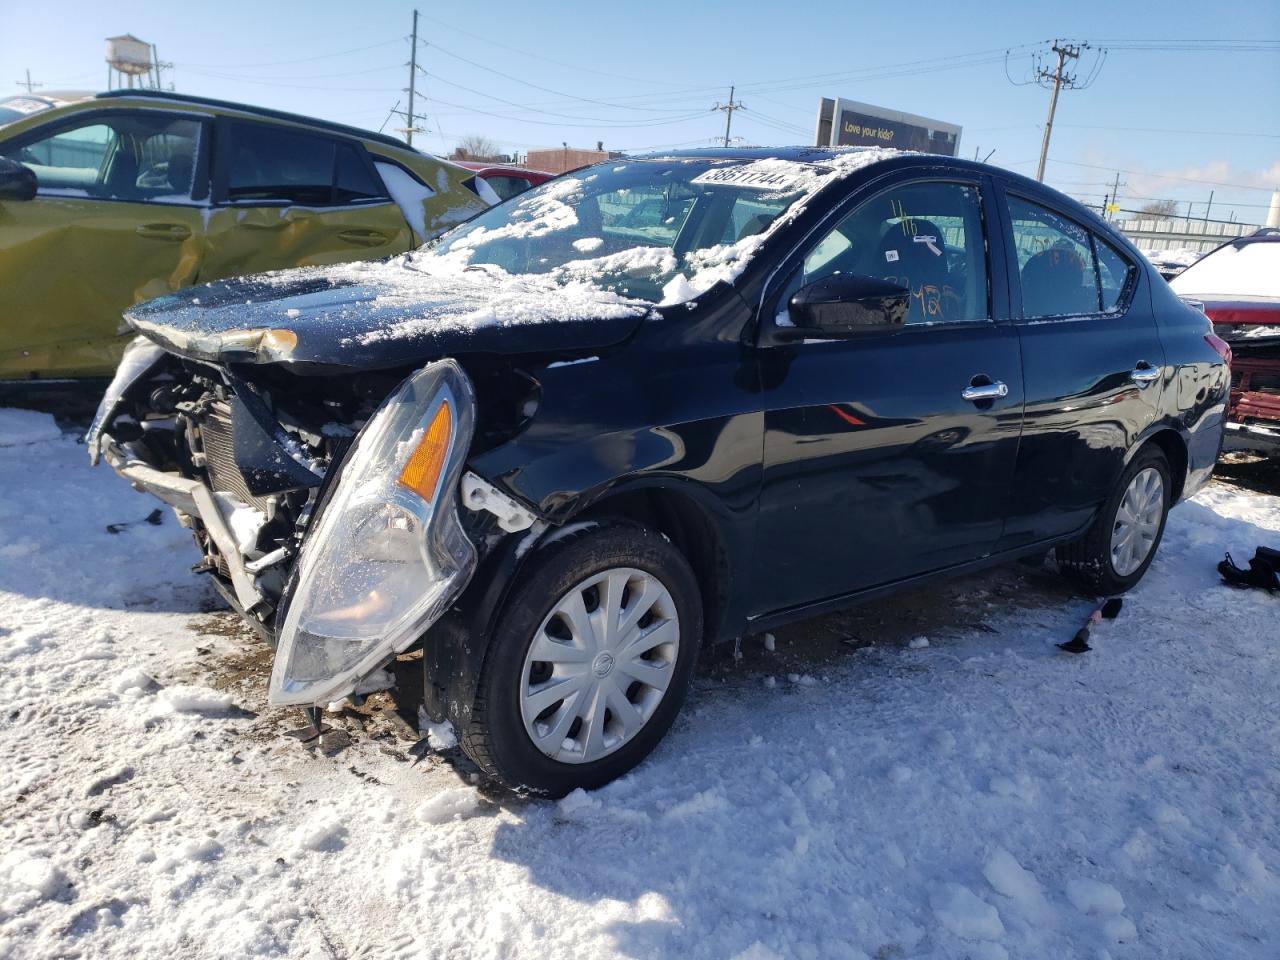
(376, 315)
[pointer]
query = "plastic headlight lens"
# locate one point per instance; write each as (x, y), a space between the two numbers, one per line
(386, 555)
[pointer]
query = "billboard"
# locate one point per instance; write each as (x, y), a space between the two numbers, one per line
(848, 123)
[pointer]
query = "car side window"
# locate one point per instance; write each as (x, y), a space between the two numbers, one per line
(1114, 272)
(926, 236)
(1055, 262)
(273, 164)
(138, 157)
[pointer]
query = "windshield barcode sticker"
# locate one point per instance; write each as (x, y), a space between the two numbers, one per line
(745, 176)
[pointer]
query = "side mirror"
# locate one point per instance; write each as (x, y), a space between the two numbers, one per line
(17, 182)
(846, 304)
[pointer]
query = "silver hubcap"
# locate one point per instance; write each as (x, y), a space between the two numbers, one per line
(1137, 521)
(599, 665)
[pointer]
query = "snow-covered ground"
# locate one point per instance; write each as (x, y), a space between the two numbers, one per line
(927, 777)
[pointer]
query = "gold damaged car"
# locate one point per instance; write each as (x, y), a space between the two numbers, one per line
(109, 200)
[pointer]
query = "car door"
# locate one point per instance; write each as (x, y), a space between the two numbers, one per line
(286, 197)
(890, 454)
(1092, 366)
(117, 219)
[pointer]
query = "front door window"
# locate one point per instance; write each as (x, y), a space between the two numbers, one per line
(127, 156)
(925, 236)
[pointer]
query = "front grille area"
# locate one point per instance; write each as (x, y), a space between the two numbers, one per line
(220, 460)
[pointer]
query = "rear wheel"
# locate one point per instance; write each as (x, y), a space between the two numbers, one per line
(589, 663)
(1117, 550)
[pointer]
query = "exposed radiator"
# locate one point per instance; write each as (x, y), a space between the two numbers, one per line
(220, 460)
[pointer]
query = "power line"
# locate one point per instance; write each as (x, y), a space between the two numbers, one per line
(539, 56)
(558, 93)
(281, 63)
(594, 121)
(1161, 176)
(549, 123)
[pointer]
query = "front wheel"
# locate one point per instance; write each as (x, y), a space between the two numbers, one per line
(1117, 550)
(590, 661)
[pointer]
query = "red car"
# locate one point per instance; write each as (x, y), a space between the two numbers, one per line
(1238, 285)
(506, 180)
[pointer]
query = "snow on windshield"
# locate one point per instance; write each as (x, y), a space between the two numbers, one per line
(661, 232)
(1244, 270)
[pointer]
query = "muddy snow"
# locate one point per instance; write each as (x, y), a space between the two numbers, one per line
(925, 777)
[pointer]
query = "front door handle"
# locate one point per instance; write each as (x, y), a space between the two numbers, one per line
(983, 387)
(1144, 373)
(164, 231)
(365, 238)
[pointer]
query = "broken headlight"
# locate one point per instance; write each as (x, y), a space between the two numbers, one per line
(387, 554)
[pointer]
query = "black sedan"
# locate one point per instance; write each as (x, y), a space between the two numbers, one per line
(657, 403)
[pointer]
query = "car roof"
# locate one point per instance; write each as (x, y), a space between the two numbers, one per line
(168, 96)
(510, 168)
(54, 98)
(803, 154)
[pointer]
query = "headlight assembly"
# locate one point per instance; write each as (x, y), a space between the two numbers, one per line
(387, 554)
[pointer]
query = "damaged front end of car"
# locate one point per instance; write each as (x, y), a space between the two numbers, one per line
(327, 508)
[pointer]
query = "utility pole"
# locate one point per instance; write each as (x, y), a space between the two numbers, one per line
(28, 83)
(413, 76)
(1115, 195)
(728, 109)
(1065, 52)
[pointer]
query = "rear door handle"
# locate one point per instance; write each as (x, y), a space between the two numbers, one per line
(1144, 373)
(365, 238)
(164, 231)
(984, 388)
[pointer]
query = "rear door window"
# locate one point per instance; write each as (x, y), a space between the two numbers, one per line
(1064, 269)
(271, 164)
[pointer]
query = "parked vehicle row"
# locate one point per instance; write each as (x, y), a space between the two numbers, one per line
(109, 200)
(657, 403)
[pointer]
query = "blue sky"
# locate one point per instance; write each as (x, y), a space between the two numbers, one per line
(1177, 122)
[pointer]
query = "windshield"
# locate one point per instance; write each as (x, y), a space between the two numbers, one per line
(1250, 269)
(15, 108)
(662, 231)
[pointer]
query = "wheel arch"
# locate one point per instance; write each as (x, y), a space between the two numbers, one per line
(1173, 445)
(455, 647)
(693, 527)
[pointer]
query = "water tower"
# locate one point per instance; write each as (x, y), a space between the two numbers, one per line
(127, 58)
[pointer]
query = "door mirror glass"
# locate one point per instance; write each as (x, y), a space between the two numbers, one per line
(844, 304)
(17, 182)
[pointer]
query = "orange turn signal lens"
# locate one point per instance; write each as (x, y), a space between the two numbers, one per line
(422, 472)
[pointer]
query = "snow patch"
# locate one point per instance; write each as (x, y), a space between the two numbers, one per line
(1094, 896)
(23, 427)
(963, 913)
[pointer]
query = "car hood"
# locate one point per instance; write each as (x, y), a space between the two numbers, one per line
(380, 315)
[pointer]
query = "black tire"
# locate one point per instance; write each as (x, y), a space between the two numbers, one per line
(496, 738)
(1088, 560)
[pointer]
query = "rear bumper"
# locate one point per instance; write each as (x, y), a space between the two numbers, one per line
(193, 499)
(1253, 437)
